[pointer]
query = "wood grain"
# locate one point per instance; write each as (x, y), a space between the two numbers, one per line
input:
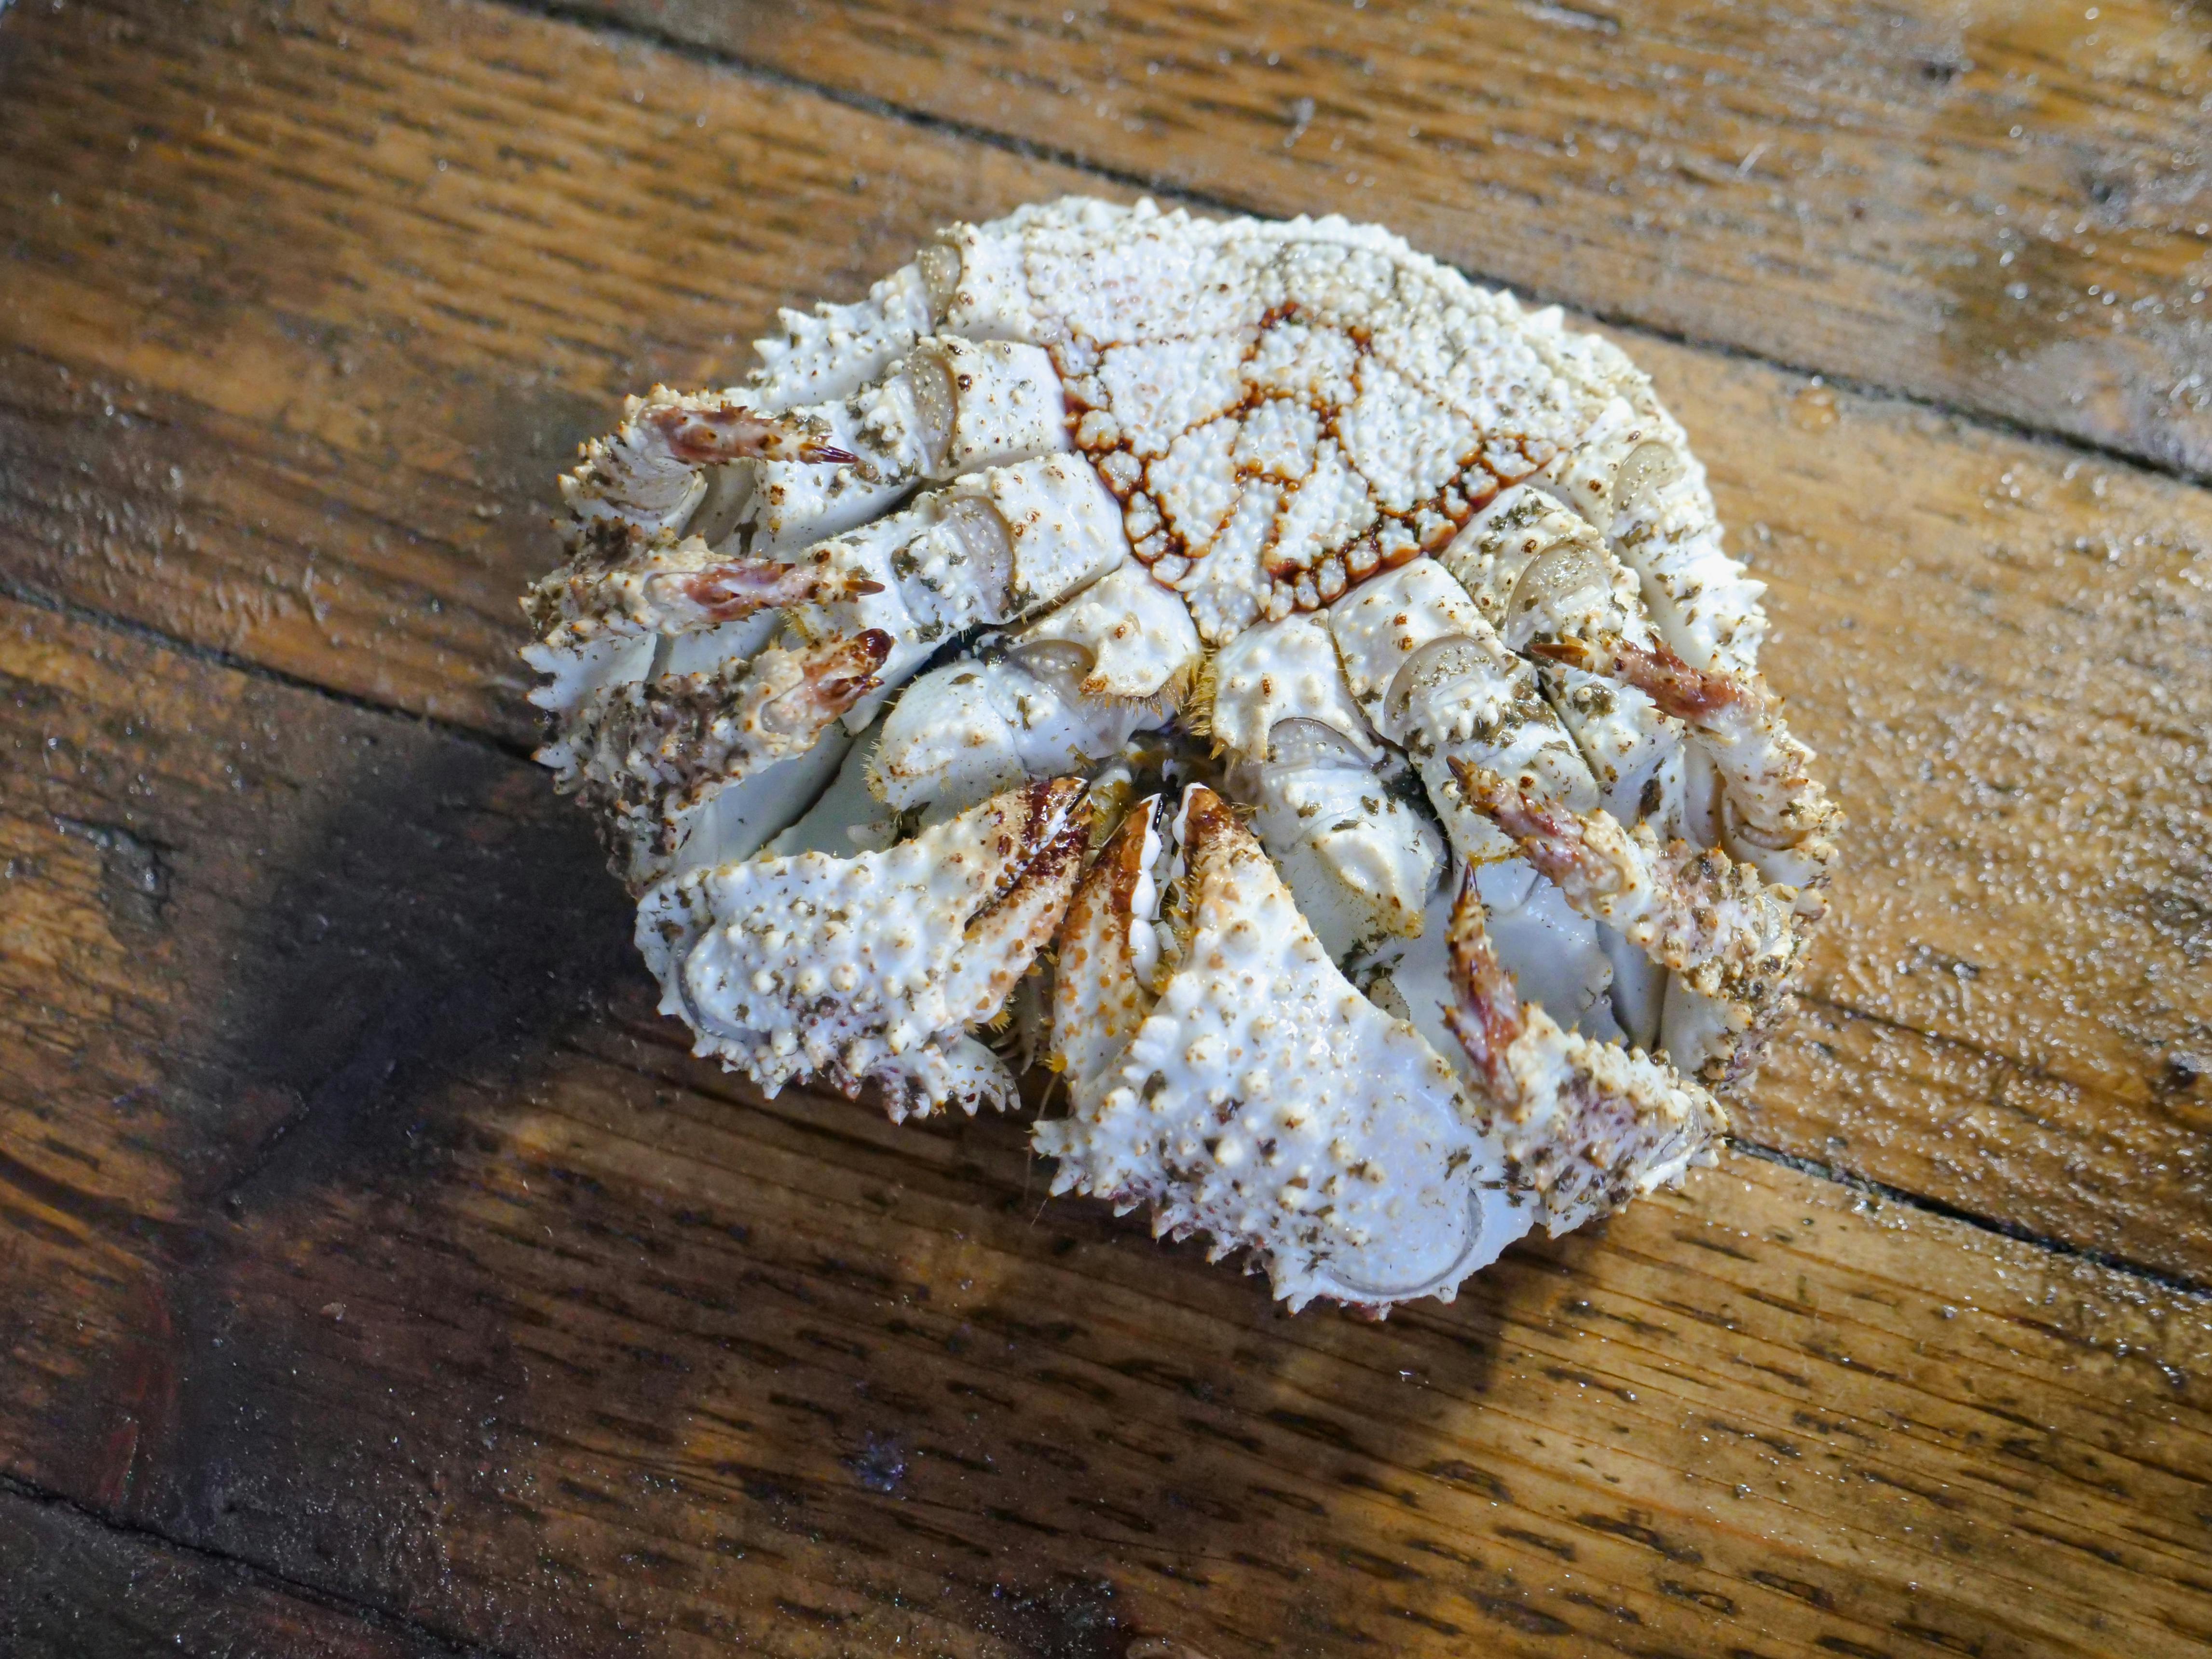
(280, 387)
(348, 1233)
(2004, 205)
(76, 1589)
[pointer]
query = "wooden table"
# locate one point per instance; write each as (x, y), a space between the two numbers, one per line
(381, 1277)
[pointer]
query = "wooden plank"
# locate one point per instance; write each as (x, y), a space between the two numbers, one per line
(338, 1236)
(318, 347)
(71, 1588)
(1997, 204)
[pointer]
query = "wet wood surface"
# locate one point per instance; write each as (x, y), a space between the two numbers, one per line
(379, 1273)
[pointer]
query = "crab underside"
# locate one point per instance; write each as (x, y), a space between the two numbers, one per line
(1298, 694)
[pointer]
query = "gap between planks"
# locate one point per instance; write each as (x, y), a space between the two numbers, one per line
(16, 1490)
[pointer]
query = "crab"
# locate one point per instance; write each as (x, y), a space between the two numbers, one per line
(1300, 696)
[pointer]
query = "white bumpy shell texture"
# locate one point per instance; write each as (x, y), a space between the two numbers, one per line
(1302, 696)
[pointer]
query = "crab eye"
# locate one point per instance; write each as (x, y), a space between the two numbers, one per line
(1063, 662)
(1301, 742)
(931, 378)
(1553, 577)
(1649, 465)
(940, 277)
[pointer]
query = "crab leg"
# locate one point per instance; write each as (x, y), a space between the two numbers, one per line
(677, 588)
(883, 597)
(1585, 1125)
(1435, 678)
(1539, 573)
(1779, 818)
(646, 478)
(949, 407)
(754, 488)
(1726, 936)
(1061, 695)
(1631, 475)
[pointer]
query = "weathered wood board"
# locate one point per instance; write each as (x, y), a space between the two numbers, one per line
(289, 381)
(1998, 204)
(363, 1226)
(378, 1276)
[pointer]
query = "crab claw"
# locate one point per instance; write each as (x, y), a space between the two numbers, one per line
(1781, 819)
(1256, 1095)
(658, 747)
(1585, 1125)
(646, 479)
(871, 969)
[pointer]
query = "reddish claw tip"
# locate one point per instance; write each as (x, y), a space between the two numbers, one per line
(729, 432)
(1505, 802)
(1690, 693)
(1487, 1019)
(740, 587)
(839, 675)
(1549, 836)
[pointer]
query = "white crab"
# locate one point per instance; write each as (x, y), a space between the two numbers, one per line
(1093, 506)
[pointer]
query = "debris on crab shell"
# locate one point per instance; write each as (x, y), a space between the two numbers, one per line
(872, 671)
